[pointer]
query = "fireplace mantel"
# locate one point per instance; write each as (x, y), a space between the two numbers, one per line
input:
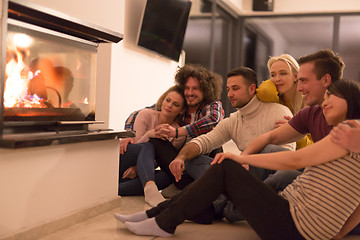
(22, 140)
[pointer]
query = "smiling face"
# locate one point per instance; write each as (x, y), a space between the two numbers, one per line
(311, 88)
(193, 94)
(334, 108)
(172, 105)
(239, 93)
(282, 76)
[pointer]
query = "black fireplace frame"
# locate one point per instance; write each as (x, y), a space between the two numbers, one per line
(40, 133)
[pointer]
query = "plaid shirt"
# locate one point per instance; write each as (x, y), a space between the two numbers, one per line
(129, 123)
(206, 118)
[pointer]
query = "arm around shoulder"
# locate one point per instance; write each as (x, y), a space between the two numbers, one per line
(278, 136)
(321, 152)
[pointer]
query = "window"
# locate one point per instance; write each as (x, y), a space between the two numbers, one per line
(220, 40)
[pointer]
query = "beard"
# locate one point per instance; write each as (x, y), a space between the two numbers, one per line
(195, 101)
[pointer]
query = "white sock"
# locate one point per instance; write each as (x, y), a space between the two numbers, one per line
(136, 217)
(152, 195)
(147, 227)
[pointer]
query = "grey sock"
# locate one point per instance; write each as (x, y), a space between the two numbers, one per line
(136, 217)
(147, 227)
(170, 191)
(152, 195)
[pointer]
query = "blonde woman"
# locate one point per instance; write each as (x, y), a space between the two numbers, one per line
(282, 88)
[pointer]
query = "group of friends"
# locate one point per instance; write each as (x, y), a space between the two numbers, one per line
(298, 173)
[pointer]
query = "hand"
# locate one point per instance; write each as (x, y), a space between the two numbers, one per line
(165, 130)
(177, 166)
(123, 144)
(162, 130)
(347, 135)
(151, 134)
(220, 157)
(171, 131)
(131, 172)
(281, 122)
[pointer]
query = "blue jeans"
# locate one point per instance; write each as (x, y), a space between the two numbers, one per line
(144, 153)
(277, 180)
(146, 164)
(197, 166)
(133, 187)
(165, 153)
(281, 178)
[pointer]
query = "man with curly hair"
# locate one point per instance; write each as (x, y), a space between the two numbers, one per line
(202, 90)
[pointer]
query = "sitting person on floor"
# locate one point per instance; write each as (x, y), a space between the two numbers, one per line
(282, 88)
(169, 107)
(202, 90)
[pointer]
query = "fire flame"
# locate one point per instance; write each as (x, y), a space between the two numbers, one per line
(16, 85)
(37, 89)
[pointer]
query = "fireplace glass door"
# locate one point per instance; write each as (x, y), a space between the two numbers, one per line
(49, 76)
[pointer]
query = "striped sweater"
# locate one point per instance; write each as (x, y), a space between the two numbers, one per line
(324, 196)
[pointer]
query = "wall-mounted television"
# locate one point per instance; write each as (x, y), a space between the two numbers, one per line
(163, 26)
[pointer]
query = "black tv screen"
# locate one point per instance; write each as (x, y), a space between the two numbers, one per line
(163, 26)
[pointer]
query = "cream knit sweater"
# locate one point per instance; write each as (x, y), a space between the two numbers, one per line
(244, 125)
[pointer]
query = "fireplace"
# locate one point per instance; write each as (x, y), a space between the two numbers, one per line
(49, 76)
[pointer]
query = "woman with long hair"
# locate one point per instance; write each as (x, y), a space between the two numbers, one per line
(132, 150)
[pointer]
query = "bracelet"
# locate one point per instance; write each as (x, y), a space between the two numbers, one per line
(176, 133)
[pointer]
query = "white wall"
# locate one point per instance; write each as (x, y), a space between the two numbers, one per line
(41, 184)
(137, 80)
(138, 76)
